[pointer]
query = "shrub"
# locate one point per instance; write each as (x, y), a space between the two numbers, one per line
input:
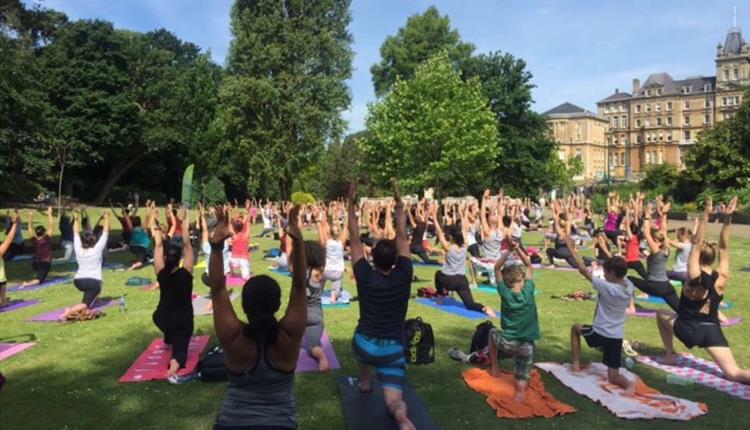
(302, 198)
(662, 176)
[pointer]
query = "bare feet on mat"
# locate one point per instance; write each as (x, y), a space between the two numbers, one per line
(364, 386)
(174, 366)
(669, 359)
(490, 313)
(398, 409)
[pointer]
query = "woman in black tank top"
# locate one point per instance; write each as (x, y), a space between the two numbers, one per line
(262, 354)
(697, 320)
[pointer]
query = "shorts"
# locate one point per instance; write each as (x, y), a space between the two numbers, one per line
(141, 253)
(240, 264)
(386, 355)
(126, 235)
(702, 334)
(522, 351)
(42, 269)
(90, 289)
(611, 348)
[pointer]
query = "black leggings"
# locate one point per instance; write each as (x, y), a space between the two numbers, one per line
(459, 284)
(422, 253)
(662, 289)
(90, 289)
(177, 331)
(638, 267)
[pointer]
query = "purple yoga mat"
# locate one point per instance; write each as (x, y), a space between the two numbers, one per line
(50, 282)
(651, 313)
(307, 363)
(9, 349)
(17, 304)
(54, 316)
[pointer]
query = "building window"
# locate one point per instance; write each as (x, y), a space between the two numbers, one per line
(648, 122)
(724, 101)
(638, 108)
(638, 139)
(707, 87)
(686, 120)
(707, 119)
(658, 91)
(687, 89)
(658, 107)
(687, 104)
(658, 121)
(621, 108)
(614, 122)
(726, 74)
(687, 135)
(736, 73)
(638, 123)
(661, 158)
(622, 158)
(648, 157)
(648, 108)
(669, 105)
(669, 120)
(736, 100)
(669, 137)
(648, 93)
(623, 121)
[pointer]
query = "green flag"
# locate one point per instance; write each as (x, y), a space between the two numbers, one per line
(187, 186)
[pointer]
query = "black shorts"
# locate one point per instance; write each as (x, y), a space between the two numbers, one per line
(126, 235)
(701, 334)
(42, 270)
(90, 289)
(612, 235)
(474, 250)
(141, 253)
(611, 348)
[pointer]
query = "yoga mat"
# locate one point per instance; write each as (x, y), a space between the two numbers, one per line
(422, 263)
(50, 282)
(54, 316)
(647, 403)
(17, 304)
(200, 302)
(10, 349)
(280, 271)
(308, 363)
(26, 257)
(651, 313)
(367, 411)
(235, 281)
(343, 301)
(453, 306)
(700, 371)
(152, 364)
(113, 265)
(725, 304)
(137, 281)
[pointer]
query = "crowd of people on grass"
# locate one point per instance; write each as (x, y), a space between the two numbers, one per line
(380, 238)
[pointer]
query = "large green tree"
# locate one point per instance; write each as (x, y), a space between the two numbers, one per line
(424, 36)
(285, 90)
(721, 158)
(435, 130)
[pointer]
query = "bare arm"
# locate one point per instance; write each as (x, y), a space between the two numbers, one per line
(483, 215)
(295, 318)
(579, 262)
(652, 245)
(402, 244)
(11, 234)
(357, 252)
(228, 326)
(694, 265)
(724, 244)
(158, 250)
(188, 257)
(439, 230)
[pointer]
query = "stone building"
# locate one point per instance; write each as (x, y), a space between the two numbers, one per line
(580, 133)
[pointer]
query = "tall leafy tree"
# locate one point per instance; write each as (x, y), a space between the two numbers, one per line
(424, 36)
(285, 90)
(341, 165)
(435, 130)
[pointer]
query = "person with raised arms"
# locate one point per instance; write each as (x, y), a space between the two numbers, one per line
(89, 254)
(174, 313)
(42, 239)
(384, 299)
(697, 320)
(260, 356)
(333, 238)
(4, 247)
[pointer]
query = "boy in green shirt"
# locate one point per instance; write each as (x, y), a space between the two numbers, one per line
(518, 319)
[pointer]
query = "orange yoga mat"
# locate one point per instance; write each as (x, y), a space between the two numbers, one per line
(501, 390)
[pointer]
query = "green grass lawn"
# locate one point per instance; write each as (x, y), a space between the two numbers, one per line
(69, 379)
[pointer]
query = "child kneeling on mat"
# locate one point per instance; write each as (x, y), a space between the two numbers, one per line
(615, 292)
(518, 319)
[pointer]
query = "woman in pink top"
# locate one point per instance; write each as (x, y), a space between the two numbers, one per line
(240, 259)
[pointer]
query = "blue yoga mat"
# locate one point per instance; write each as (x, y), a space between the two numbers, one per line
(725, 304)
(455, 307)
(344, 300)
(280, 271)
(50, 282)
(422, 263)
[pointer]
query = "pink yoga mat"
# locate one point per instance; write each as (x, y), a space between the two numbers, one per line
(10, 349)
(153, 362)
(651, 313)
(235, 281)
(700, 371)
(307, 363)
(54, 316)
(17, 304)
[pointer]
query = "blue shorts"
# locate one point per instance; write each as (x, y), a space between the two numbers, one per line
(386, 355)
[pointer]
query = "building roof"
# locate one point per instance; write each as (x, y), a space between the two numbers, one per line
(733, 43)
(698, 83)
(569, 110)
(658, 80)
(617, 95)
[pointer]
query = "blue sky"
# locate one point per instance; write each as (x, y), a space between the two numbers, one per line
(578, 50)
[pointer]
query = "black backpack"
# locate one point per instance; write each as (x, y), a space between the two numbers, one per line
(212, 367)
(481, 335)
(419, 347)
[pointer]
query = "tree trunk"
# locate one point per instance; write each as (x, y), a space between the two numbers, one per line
(285, 188)
(115, 175)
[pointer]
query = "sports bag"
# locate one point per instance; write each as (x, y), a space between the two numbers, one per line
(212, 367)
(481, 335)
(419, 346)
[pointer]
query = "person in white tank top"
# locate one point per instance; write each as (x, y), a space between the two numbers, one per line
(332, 238)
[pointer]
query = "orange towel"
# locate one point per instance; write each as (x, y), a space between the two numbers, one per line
(500, 394)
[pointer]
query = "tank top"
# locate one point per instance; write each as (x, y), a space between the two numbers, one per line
(472, 235)
(240, 243)
(491, 246)
(314, 292)
(611, 224)
(681, 260)
(691, 309)
(334, 256)
(176, 292)
(261, 396)
(657, 266)
(633, 251)
(455, 261)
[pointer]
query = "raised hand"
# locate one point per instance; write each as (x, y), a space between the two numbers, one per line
(182, 213)
(708, 207)
(292, 226)
(730, 207)
(221, 231)
(396, 192)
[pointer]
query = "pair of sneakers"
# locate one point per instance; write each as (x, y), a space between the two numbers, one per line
(178, 380)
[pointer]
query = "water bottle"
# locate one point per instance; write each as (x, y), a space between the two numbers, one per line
(122, 303)
(678, 380)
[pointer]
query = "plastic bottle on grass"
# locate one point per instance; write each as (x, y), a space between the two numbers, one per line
(678, 380)
(122, 303)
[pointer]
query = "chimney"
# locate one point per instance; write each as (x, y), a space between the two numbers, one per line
(617, 90)
(636, 86)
